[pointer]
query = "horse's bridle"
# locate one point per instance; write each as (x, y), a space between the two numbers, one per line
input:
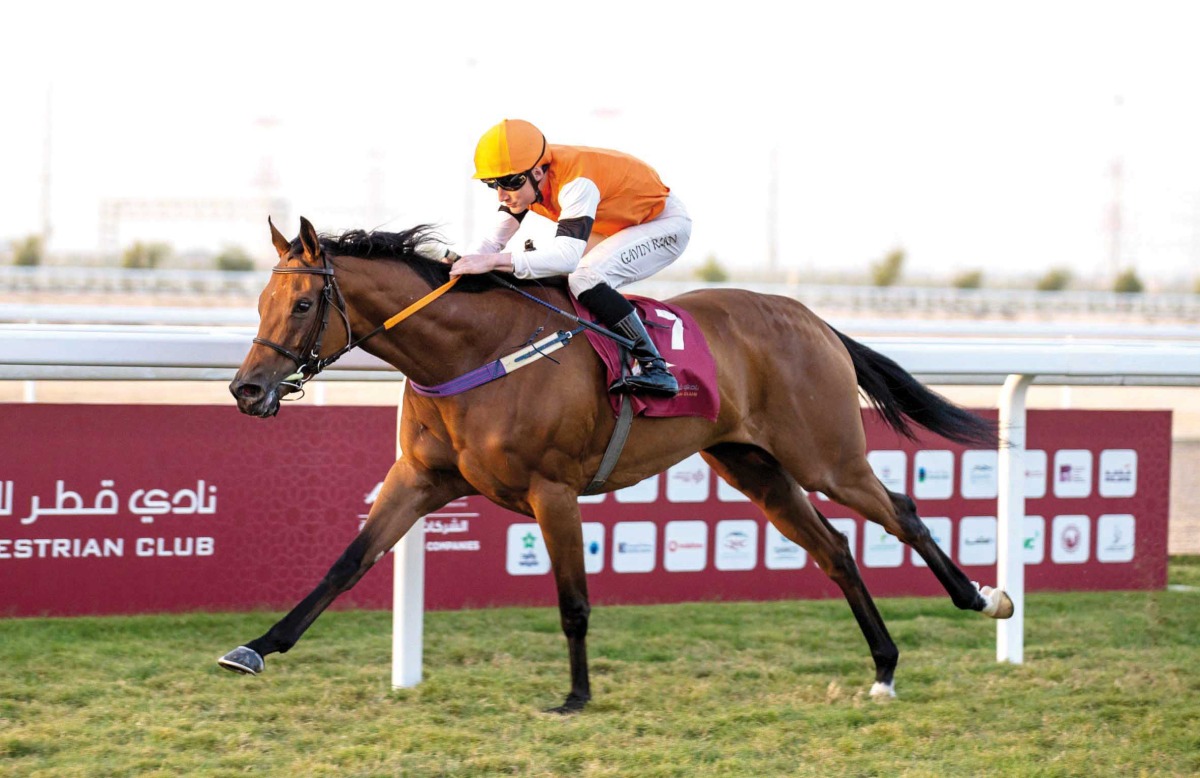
(308, 361)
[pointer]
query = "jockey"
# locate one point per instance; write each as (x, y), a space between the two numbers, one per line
(617, 223)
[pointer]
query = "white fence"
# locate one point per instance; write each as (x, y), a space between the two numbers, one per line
(89, 352)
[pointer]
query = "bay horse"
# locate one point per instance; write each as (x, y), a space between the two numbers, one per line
(789, 421)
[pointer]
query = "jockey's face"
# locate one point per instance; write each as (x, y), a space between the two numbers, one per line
(520, 199)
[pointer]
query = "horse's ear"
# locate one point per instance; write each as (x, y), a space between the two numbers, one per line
(308, 237)
(281, 243)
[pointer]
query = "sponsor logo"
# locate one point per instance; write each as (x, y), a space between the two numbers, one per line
(685, 546)
(737, 544)
(1116, 535)
(634, 546)
(890, 468)
(1035, 473)
(977, 540)
(783, 554)
(1071, 536)
(979, 469)
(882, 550)
(527, 554)
(688, 480)
(1118, 473)
(1072, 473)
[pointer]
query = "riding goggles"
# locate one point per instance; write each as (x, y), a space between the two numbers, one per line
(508, 183)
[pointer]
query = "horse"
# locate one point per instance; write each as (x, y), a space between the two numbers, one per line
(789, 422)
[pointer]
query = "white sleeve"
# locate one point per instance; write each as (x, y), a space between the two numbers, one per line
(503, 229)
(578, 200)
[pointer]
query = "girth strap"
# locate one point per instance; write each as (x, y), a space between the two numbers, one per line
(616, 444)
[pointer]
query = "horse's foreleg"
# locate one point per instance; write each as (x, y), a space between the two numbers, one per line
(408, 493)
(558, 516)
(761, 478)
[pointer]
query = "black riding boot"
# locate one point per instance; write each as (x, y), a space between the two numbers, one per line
(654, 378)
(618, 315)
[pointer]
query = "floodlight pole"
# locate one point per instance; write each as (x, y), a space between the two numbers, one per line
(1010, 509)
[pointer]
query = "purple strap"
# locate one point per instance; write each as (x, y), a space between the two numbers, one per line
(477, 377)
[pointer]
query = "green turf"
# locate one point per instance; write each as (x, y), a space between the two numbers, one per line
(1110, 686)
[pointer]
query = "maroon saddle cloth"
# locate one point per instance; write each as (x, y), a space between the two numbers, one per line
(685, 350)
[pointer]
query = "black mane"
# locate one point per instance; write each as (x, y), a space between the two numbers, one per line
(403, 246)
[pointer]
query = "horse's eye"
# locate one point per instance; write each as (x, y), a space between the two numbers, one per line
(302, 306)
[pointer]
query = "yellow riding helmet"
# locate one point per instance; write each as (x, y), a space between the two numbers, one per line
(512, 146)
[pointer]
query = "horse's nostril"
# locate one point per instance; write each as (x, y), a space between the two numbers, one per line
(248, 391)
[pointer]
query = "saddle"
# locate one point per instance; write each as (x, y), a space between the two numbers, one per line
(681, 343)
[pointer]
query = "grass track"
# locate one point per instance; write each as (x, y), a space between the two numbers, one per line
(1111, 686)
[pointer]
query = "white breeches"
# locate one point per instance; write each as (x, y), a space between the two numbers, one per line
(636, 252)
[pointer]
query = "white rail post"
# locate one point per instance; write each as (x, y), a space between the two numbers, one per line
(1010, 633)
(408, 598)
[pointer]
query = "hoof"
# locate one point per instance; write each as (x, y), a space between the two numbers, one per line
(573, 704)
(882, 691)
(999, 604)
(242, 660)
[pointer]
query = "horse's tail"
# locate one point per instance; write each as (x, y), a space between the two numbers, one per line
(899, 397)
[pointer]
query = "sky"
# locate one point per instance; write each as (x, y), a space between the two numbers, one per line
(971, 135)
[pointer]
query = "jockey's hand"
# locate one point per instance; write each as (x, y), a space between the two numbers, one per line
(473, 264)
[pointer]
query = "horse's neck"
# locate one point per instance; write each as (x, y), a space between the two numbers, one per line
(448, 337)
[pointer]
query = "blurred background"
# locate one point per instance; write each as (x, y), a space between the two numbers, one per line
(1026, 163)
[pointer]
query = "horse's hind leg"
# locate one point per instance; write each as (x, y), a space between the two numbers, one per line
(408, 493)
(760, 477)
(858, 488)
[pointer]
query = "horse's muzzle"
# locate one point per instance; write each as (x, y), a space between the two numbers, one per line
(254, 400)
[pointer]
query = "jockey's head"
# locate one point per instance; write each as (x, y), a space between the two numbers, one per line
(507, 159)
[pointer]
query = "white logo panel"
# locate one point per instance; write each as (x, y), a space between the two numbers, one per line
(933, 475)
(881, 549)
(849, 528)
(688, 480)
(783, 554)
(1035, 473)
(1071, 538)
(643, 491)
(736, 544)
(941, 529)
(979, 480)
(1115, 535)
(890, 468)
(1033, 545)
(685, 546)
(591, 499)
(1072, 473)
(977, 540)
(1118, 472)
(593, 547)
(634, 546)
(527, 554)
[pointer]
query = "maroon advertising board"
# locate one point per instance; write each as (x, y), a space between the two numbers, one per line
(139, 509)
